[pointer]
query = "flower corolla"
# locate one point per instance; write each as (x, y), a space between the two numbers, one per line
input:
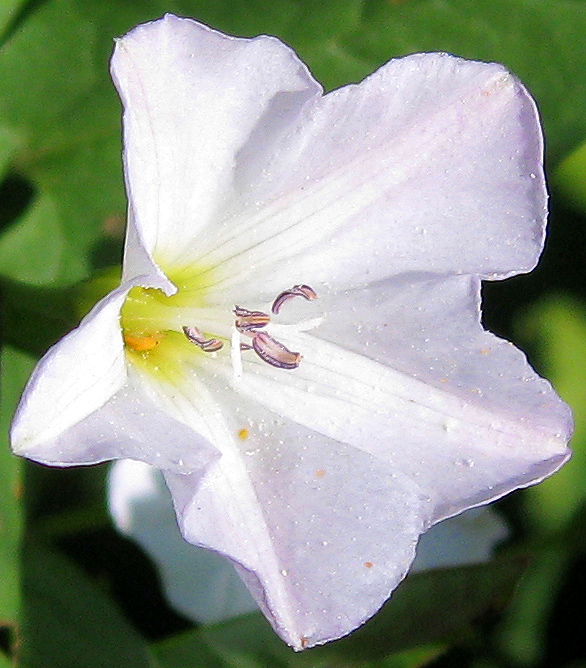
(204, 586)
(296, 341)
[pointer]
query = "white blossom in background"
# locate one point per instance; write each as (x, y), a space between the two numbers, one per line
(204, 586)
(296, 342)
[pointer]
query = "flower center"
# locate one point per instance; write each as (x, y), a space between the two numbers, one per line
(160, 331)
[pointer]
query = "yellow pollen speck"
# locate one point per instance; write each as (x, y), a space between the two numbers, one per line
(485, 351)
(368, 564)
(320, 473)
(243, 434)
(142, 344)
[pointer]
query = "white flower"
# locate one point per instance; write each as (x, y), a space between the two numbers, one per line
(205, 588)
(351, 422)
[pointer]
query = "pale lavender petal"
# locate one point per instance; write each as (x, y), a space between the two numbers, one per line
(391, 199)
(75, 378)
(84, 404)
(316, 575)
(455, 408)
(199, 583)
(433, 163)
(204, 586)
(193, 97)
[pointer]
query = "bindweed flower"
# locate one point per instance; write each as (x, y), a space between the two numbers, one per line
(296, 342)
(205, 588)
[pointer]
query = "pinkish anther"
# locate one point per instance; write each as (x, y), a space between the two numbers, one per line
(296, 291)
(273, 352)
(250, 320)
(197, 337)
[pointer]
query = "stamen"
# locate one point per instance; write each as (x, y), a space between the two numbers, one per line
(250, 320)
(274, 353)
(207, 345)
(296, 291)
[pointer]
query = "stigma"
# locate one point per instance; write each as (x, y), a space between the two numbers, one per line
(142, 343)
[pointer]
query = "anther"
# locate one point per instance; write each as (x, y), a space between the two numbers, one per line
(207, 345)
(273, 352)
(250, 320)
(296, 291)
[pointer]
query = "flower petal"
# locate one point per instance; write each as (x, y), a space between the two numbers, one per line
(75, 378)
(261, 504)
(462, 415)
(204, 586)
(316, 575)
(198, 583)
(192, 98)
(139, 262)
(82, 404)
(433, 163)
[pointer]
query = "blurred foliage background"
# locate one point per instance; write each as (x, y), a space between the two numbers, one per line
(75, 594)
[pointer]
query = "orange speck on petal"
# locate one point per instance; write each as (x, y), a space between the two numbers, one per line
(485, 351)
(304, 642)
(320, 473)
(243, 434)
(142, 344)
(368, 564)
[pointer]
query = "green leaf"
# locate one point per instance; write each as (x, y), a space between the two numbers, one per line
(557, 327)
(68, 622)
(9, 10)
(5, 662)
(68, 117)
(34, 318)
(32, 250)
(414, 617)
(539, 40)
(410, 658)
(570, 178)
(10, 141)
(41, 79)
(15, 367)
(522, 634)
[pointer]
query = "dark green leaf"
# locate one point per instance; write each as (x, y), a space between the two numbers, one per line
(541, 41)
(68, 622)
(522, 634)
(15, 367)
(33, 249)
(427, 608)
(10, 141)
(34, 318)
(557, 327)
(410, 658)
(8, 12)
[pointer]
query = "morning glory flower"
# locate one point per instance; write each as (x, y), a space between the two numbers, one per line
(205, 588)
(296, 341)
